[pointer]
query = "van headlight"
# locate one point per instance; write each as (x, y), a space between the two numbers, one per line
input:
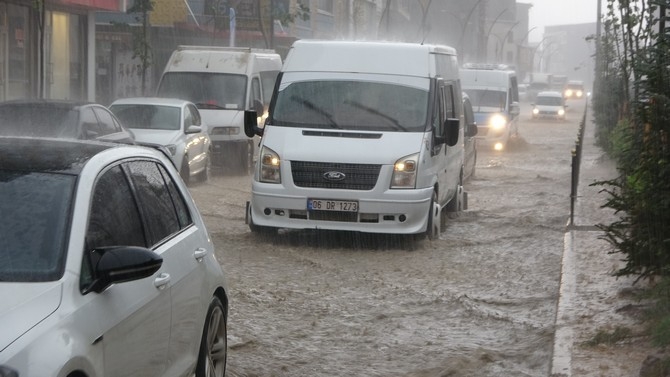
(498, 122)
(561, 112)
(404, 172)
(270, 165)
(568, 93)
(580, 93)
(536, 110)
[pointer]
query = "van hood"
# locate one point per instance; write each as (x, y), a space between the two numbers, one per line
(343, 146)
(24, 305)
(161, 137)
(222, 118)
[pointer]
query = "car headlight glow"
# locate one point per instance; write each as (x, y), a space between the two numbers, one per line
(404, 172)
(536, 110)
(561, 112)
(270, 166)
(568, 93)
(580, 93)
(498, 122)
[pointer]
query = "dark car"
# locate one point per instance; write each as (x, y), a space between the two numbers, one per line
(61, 119)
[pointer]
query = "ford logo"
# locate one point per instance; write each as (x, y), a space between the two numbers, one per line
(334, 176)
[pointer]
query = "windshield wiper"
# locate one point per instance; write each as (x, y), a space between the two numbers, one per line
(377, 112)
(310, 105)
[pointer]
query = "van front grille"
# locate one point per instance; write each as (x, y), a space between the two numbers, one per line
(353, 176)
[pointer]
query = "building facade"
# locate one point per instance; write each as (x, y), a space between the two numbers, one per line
(44, 48)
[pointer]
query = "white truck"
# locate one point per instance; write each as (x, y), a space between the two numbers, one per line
(494, 93)
(223, 82)
(360, 136)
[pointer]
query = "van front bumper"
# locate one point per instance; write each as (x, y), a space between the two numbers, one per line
(394, 211)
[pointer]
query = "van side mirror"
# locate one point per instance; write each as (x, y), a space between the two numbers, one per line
(514, 108)
(452, 128)
(251, 124)
(471, 130)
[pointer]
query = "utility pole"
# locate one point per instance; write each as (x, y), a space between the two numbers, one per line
(482, 44)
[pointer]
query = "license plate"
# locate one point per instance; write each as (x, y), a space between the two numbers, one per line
(332, 205)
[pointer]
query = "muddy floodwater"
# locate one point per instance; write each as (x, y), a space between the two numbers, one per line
(480, 301)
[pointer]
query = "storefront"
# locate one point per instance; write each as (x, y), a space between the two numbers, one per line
(53, 61)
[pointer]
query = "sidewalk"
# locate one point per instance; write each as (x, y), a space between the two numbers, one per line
(590, 298)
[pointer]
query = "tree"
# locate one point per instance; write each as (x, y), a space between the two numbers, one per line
(141, 45)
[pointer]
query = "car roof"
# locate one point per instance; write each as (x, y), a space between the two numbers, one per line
(151, 101)
(549, 94)
(48, 154)
(57, 103)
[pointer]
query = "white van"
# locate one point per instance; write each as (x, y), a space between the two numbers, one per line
(360, 136)
(494, 94)
(223, 82)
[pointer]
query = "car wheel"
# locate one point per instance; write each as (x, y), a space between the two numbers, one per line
(214, 342)
(204, 175)
(185, 172)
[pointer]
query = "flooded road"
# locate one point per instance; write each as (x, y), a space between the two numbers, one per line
(480, 301)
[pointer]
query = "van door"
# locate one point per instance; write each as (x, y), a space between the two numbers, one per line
(452, 157)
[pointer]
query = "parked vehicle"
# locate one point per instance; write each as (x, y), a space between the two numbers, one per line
(469, 139)
(361, 136)
(106, 267)
(549, 105)
(223, 82)
(61, 119)
(494, 94)
(173, 123)
(574, 89)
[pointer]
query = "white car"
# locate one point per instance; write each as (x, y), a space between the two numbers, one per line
(106, 267)
(548, 105)
(173, 123)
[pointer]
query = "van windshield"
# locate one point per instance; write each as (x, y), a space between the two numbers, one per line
(484, 100)
(205, 90)
(351, 105)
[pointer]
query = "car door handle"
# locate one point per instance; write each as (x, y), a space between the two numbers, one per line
(162, 280)
(200, 253)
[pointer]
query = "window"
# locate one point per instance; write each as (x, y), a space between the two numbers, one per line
(255, 92)
(114, 219)
(156, 203)
(90, 128)
(181, 208)
(107, 124)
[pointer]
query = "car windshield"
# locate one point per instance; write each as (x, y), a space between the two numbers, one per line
(549, 101)
(32, 239)
(351, 105)
(206, 90)
(38, 120)
(151, 117)
(484, 100)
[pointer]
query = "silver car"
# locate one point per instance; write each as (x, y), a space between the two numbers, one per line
(173, 123)
(106, 267)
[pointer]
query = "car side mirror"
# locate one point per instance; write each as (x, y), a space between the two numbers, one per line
(118, 264)
(193, 129)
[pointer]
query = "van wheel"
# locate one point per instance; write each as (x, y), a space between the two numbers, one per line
(434, 219)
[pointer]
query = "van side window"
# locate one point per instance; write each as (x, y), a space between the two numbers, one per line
(255, 92)
(440, 113)
(268, 79)
(449, 102)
